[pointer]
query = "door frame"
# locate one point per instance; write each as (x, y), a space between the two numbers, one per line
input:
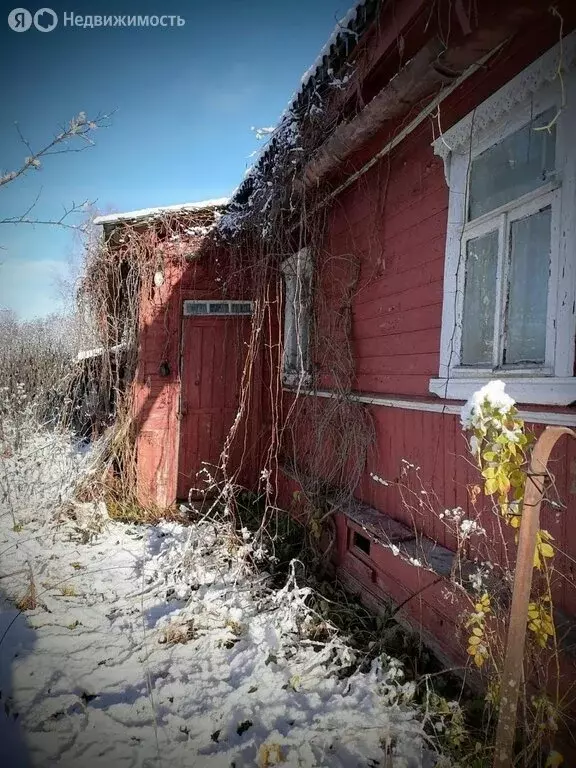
(199, 297)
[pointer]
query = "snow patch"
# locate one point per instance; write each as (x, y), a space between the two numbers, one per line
(169, 649)
(164, 646)
(151, 213)
(85, 354)
(491, 396)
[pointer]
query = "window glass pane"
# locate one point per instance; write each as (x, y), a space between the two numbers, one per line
(302, 333)
(479, 300)
(516, 165)
(296, 325)
(195, 308)
(290, 340)
(219, 308)
(528, 289)
(245, 308)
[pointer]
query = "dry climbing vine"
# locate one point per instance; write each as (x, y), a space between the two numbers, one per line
(500, 445)
(118, 282)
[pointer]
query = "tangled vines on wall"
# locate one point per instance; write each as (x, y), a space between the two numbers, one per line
(118, 298)
(322, 443)
(269, 219)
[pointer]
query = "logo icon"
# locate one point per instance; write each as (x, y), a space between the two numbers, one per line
(45, 20)
(20, 20)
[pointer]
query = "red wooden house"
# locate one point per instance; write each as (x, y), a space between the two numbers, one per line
(424, 178)
(191, 352)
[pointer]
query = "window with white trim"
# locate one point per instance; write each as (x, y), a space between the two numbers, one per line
(297, 276)
(509, 280)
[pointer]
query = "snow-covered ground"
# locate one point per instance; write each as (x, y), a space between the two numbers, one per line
(164, 646)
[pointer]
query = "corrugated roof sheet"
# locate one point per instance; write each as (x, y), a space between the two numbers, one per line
(331, 58)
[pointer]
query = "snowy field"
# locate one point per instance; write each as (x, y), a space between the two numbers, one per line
(164, 646)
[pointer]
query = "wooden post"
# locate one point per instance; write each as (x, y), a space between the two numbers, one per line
(514, 660)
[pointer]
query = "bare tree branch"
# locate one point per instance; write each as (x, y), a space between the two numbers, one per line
(61, 222)
(80, 127)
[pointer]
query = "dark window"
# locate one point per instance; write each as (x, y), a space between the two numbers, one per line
(361, 542)
(195, 308)
(221, 308)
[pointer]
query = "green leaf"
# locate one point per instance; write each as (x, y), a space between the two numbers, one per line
(537, 559)
(503, 483)
(490, 486)
(517, 479)
(546, 549)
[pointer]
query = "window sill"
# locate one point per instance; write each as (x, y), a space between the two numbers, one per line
(537, 390)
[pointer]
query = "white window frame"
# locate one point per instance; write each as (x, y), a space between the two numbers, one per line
(297, 279)
(532, 92)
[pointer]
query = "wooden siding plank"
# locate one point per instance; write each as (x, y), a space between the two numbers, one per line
(401, 301)
(418, 364)
(422, 318)
(392, 283)
(397, 344)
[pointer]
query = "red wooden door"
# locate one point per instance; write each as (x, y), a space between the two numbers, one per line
(212, 359)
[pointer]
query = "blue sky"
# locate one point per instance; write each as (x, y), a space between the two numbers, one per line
(184, 100)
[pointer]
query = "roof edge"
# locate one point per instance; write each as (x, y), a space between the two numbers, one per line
(154, 213)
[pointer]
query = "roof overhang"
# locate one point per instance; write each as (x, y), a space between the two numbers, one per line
(147, 214)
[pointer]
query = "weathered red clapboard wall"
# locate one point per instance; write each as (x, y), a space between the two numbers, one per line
(393, 219)
(166, 439)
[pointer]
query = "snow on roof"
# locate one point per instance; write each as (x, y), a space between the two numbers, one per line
(87, 354)
(342, 28)
(150, 213)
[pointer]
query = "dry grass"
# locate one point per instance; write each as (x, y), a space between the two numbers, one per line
(131, 511)
(178, 634)
(29, 601)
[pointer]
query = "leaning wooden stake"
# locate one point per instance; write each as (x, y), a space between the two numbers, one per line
(513, 663)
